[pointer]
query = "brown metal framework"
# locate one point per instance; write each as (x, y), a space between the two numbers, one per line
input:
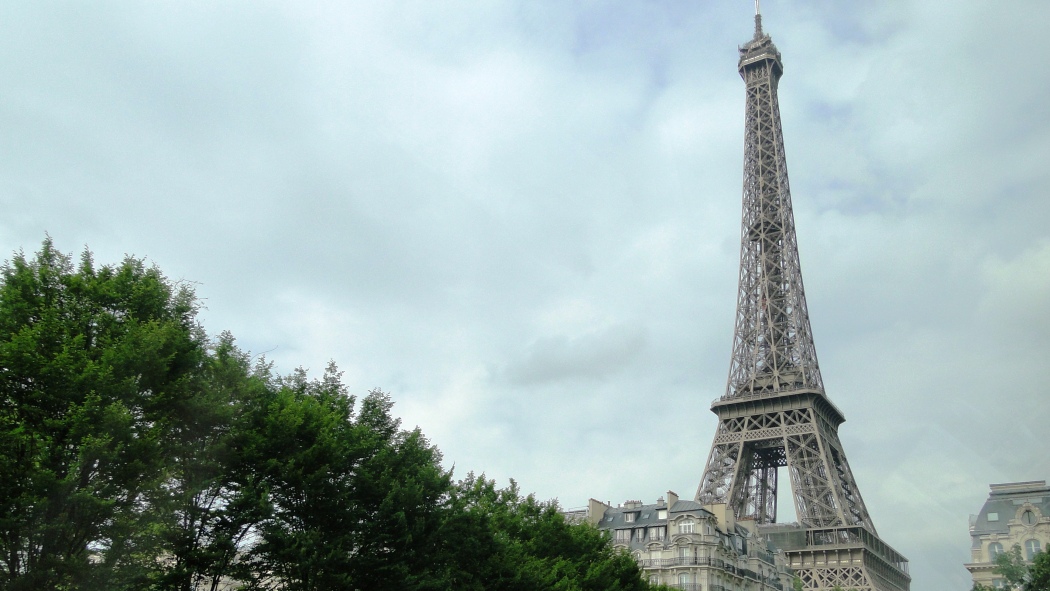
(774, 412)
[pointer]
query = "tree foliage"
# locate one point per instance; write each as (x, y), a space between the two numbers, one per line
(528, 545)
(1019, 575)
(1012, 567)
(1039, 573)
(97, 366)
(137, 453)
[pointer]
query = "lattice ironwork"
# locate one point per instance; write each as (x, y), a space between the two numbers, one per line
(774, 413)
(792, 432)
(773, 343)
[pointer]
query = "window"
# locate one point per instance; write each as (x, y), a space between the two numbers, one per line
(661, 514)
(654, 579)
(993, 517)
(656, 533)
(684, 579)
(1031, 548)
(639, 534)
(629, 517)
(685, 526)
(994, 550)
(623, 536)
(1028, 518)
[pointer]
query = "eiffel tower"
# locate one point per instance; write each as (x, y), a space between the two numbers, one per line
(775, 413)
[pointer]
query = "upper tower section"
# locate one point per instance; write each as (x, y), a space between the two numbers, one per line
(759, 56)
(773, 351)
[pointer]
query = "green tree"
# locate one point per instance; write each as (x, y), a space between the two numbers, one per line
(1039, 573)
(355, 501)
(210, 501)
(1011, 565)
(137, 454)
(95, 364)
(1019, 574)
(528, 545)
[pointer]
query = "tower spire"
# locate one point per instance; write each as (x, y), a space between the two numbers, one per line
(774, 413)
(758, 19)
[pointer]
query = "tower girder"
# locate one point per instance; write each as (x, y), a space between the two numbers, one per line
(774, 413)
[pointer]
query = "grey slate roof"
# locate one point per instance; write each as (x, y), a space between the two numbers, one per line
(1003, 503)
(682, 506)
(645, 517)
(616, 518)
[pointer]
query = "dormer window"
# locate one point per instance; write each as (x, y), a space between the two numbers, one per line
(661, 514)
(629, 517)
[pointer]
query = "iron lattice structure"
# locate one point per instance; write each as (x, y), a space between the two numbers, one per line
(774, 413)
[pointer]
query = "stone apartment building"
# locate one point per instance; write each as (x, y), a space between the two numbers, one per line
(1016, 513)
(684, 545)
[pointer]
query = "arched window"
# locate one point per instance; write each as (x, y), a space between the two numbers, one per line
(994, 550)
(685, 526)
(1031, 548)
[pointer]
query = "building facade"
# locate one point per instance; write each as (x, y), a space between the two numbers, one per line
(684, 545)
(1016, 513)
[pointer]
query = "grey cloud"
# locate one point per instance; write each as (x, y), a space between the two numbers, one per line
(597, 355)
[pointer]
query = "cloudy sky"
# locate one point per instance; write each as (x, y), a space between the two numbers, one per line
(521, 218)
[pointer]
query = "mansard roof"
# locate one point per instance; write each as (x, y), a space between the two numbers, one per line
(683, 506)
(1004, 502)
(645, 515)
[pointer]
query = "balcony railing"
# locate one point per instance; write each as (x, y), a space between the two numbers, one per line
(685, 561)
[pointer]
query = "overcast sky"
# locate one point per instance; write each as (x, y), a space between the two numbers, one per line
(522, 218)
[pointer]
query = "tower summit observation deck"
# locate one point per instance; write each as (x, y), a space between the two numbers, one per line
(774, 413)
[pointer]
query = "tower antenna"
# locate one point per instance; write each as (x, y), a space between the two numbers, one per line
(758, 19)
